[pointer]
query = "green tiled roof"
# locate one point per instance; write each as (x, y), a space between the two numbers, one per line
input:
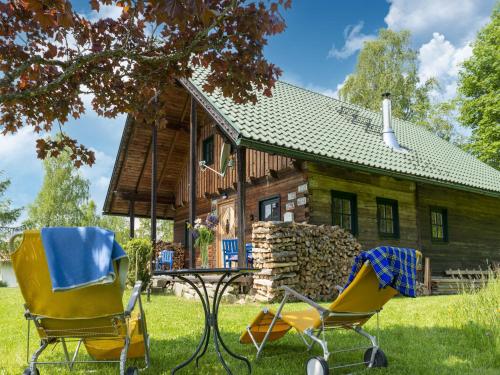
(308, 125)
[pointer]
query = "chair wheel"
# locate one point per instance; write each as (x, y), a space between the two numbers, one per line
(317, 366)
(29, 372)
(380, 358)
(132, 371)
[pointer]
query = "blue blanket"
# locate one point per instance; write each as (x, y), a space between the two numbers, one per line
(394, 266)
(80, 257)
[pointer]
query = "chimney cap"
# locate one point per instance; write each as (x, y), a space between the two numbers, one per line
(386, 95)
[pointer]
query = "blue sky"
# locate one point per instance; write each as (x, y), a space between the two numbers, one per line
(317, 51)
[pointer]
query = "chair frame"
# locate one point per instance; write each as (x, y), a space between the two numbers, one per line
(160, 262)
(317, 335)
(53, 339)
(228, 262)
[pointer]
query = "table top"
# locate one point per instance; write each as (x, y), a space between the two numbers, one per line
(192, 271)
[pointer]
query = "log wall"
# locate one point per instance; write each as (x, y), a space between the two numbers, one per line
(287, 181)
(258, 165)
(367, 187)
(473, 229)
(473, 219)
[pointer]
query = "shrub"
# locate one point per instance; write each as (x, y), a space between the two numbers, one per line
(3, 284)
(139, 254)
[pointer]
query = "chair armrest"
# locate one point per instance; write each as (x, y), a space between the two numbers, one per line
(12, 239)
(302, 298)
(136, 294)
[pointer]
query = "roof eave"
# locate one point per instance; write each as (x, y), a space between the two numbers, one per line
(224, 125)
(127, 131)
(267, 147)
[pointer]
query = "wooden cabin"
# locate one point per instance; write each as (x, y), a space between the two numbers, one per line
(305, 157)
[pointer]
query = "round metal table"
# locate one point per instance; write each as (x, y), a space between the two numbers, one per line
(227, 276)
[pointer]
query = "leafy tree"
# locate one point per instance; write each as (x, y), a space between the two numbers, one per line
(117, 224)
(90, 217)
(389, 64)
(479, 86)
(441, 119)
(64, 197)
(139, 252)
(8, 215)
(50, 54)
(164, 229)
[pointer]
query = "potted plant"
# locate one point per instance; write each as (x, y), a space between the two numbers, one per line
(204, 235)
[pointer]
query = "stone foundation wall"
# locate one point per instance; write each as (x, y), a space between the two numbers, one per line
(234, 293)
(308, 258)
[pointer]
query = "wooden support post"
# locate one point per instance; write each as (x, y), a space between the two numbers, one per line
(241, 160)
(131, 205)
(417, 218)
(154, 181)
(193, 168)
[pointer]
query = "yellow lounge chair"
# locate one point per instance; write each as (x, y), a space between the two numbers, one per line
(92, 315)
(355, 305)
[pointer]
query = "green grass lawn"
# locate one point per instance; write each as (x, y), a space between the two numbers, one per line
(428, 335)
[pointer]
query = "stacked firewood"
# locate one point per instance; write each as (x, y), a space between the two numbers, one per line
(179, 252)
(308, 258)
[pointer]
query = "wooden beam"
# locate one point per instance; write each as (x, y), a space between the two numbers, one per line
(184, 109)
(177, 126)
(241, 161)
(417, 217)
(131, 206)
(427, 274)
(273, 173)
(298, 165)
(254, 180)
(144, 197)
(143, 167)
(154, 181)
(193, 168)
(169, 155)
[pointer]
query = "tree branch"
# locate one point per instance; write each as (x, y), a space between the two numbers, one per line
(73, 66)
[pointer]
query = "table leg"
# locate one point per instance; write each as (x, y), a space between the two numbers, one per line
(207, 340)
(206, 331)
(217, 336)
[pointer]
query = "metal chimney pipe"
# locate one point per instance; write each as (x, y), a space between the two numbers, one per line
(388, 133)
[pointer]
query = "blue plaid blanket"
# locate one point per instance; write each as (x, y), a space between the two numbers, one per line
(394, 266)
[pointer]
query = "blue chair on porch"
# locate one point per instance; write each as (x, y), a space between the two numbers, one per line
(230, 252)
(248, 248)
(166, 258)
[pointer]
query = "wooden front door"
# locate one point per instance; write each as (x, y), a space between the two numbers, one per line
(227, 226)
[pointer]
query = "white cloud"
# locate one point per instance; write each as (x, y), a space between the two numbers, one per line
(354, 40)
(19, 162)
(336, 94)
(106, 11)
(458, 20)
(440, 59)
(16, 147)
(442, 31)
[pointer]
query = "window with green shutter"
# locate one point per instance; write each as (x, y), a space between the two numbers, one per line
(208, 150)
(269, 209)
(344, 211)
(439, 224)
(387, 218)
